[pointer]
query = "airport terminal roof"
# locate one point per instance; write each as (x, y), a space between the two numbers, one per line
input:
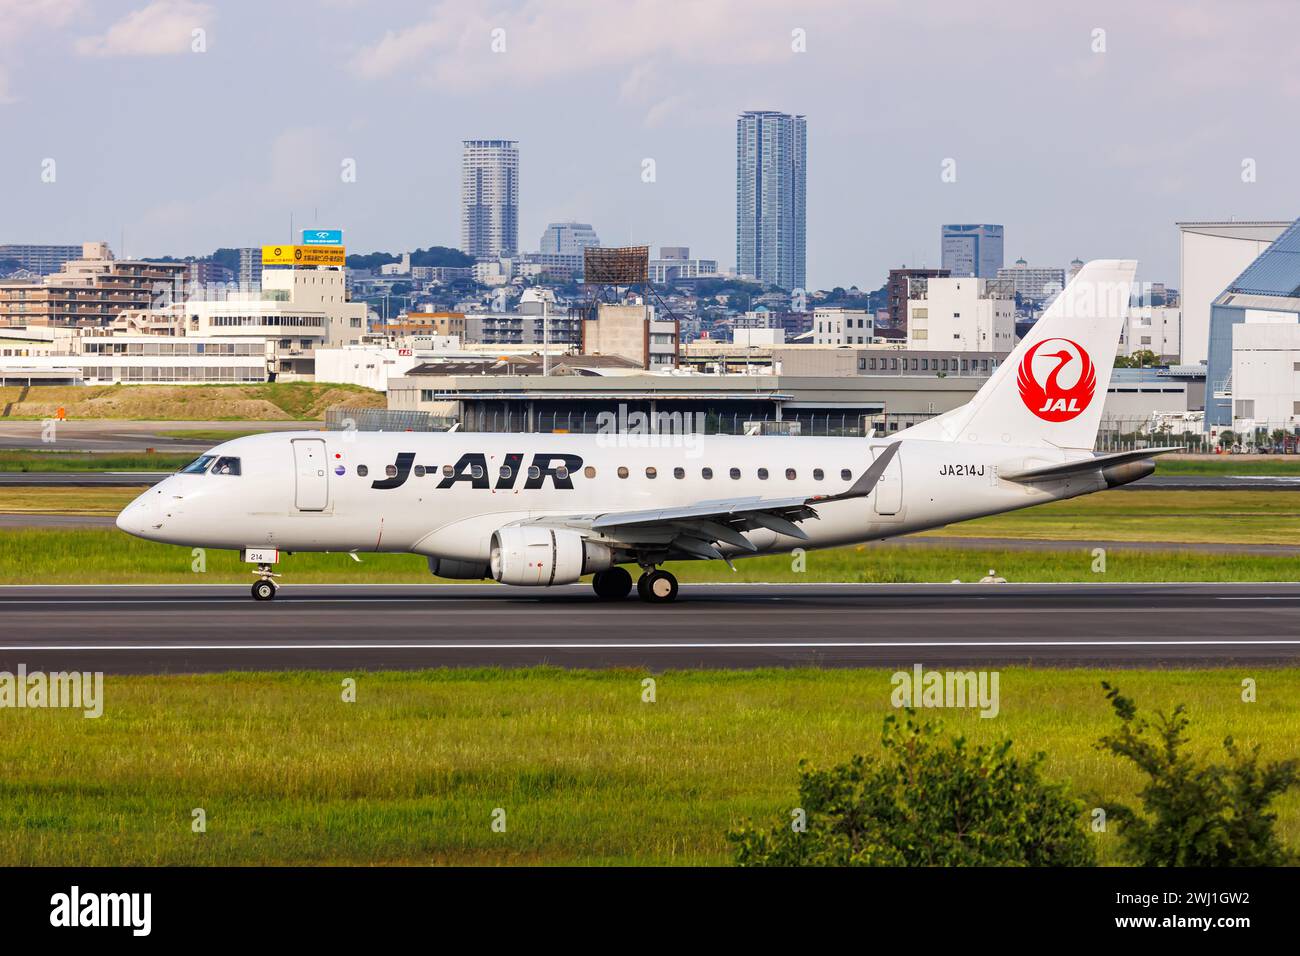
(1277, 270)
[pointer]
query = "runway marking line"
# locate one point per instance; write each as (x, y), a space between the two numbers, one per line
(712, 645)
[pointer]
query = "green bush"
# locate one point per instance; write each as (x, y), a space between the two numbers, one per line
(1195, 813)
(926, 802)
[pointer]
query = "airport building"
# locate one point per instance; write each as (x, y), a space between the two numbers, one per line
(1253, 366)
(1211, 255)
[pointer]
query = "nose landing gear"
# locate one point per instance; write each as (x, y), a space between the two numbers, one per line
(265, 587)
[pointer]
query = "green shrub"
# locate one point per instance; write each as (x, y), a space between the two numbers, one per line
(1195, 813)
(926, 802)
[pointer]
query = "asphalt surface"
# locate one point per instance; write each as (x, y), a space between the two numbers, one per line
(195, 628)
(83, 479)
(109, 435)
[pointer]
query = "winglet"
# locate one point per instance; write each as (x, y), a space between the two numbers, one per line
(867, 482)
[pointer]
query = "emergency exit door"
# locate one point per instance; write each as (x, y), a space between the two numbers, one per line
(889, 489)
(312, 489)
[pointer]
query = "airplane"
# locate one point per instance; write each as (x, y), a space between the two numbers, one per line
(541, 510)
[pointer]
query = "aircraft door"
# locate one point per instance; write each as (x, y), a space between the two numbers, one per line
(888, 495)
(312, 474)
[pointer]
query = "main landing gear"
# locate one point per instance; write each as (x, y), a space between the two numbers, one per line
(656, 586)
(265, 587)
(653, 586)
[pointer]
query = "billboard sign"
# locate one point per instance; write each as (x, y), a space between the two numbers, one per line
(322, 237)
(303, 256)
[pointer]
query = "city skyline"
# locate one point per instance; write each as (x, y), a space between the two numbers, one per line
(626, 140)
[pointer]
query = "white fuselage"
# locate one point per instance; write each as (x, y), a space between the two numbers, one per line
(302, 491)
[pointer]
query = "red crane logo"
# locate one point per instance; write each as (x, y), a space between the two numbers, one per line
(1051, 401)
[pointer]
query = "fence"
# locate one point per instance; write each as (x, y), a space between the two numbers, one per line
(1113, 434)
(346, 418)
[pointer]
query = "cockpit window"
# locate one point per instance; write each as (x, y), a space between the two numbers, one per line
(226, 466)
(198, 466)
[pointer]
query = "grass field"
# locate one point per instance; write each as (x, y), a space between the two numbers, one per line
(214, 435)
(1223, 517)
(586, 773)
(1229, 465)
(75, 461)
(107, 556)
(273, 401)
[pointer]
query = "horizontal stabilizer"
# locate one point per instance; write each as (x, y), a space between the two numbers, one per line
(1081, 466)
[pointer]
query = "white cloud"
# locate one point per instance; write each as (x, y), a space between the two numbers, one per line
(550, 38)
(163, 28)
(20, 18)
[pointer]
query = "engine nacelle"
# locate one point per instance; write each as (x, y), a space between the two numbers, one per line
(459, 570)
(530, 556)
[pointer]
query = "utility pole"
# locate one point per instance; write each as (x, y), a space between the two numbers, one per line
(546, 339)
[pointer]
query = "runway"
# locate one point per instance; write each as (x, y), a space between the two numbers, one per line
(196, 628)
(121, 435)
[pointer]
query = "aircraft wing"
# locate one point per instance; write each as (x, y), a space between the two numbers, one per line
(697, 529)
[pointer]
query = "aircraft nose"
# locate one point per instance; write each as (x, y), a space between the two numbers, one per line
(137, 518)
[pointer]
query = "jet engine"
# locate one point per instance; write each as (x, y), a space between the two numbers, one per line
(460, 570)
(531, 556)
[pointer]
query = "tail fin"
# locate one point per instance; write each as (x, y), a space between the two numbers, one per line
(1050, 390)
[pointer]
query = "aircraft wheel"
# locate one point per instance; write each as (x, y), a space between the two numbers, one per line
(612, 584)
(263, 591)
(657, 587)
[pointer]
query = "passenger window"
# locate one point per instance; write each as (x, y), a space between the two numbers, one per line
(226, 466)
(419, 471)
(476, 471)
(818, 474)
(534, 471)
(735, 473)
(706, 473)
(790, 474)
(622, 471)
(589, 472)
(845, 474)
(362, 471)
(679, 472)
(561, 473)
(198, 466)
(448, 471)
(505, 471)
(762, 474)
(390, 471)
(650, 471)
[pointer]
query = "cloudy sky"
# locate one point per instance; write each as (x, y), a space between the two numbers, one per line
(1088, 129)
